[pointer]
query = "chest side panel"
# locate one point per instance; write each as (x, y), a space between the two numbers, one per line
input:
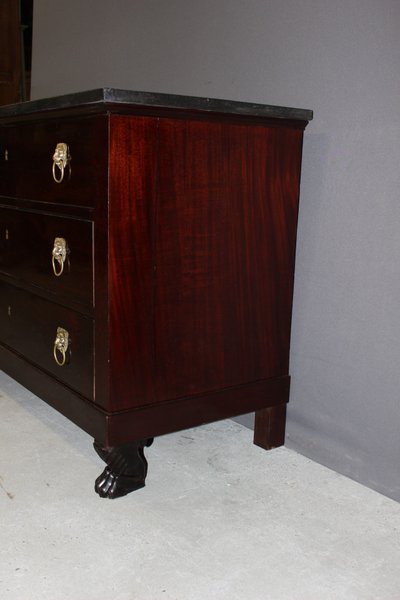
(224, 254)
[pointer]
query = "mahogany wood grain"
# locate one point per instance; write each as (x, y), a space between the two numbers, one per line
(225, 248)
(191, 411)
(202, 239)
(133, 184)
(178, 293)
(111, 429)
(26, 244)
(29, 325)
(30, 152)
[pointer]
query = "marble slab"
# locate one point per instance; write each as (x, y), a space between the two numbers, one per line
(124, 97)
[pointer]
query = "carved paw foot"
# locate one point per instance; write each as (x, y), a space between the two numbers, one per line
(113, 485)
(126, 469)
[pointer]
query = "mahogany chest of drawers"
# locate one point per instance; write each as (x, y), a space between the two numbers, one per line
(147, 247)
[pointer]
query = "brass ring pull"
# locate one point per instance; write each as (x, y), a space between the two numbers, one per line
(61, 159)
(61, 362)
(59, 272)
(61, 167)
(61, 344)
(59, 255)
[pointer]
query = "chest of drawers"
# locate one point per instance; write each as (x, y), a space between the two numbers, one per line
(147, 247)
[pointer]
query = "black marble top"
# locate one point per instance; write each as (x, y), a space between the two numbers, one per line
(114, 96)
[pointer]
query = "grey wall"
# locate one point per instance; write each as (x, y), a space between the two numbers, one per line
(340, 58)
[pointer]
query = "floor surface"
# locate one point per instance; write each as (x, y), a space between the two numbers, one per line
(219, 518)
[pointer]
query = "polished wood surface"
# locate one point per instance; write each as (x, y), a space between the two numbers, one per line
(26, 245)
(226, 222)
(191, 411)
(28, 170)
(131, 271)
(28, 326)
(209, 293)
(177, 291)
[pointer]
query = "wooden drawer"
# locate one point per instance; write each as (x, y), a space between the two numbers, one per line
(29, 326)
(31, 146)
(7, 183)
(27, 241)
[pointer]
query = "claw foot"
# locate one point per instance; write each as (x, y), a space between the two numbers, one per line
(126, 469)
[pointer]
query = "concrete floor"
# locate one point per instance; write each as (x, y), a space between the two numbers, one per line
(219, 518)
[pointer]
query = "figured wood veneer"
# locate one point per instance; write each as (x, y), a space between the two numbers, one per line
(177, 293)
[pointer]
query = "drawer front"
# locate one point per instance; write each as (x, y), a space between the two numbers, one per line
(35, 161)
(7, 182)
(54, 253)
(29, 325)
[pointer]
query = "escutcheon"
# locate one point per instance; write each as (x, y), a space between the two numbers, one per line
(61, 345)
(59, 255)
(61, 160)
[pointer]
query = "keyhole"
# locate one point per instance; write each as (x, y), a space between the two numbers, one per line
(9, 311)
(7, 235)
(5, 154)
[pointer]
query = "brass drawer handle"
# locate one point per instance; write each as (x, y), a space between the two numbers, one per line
(59, 255)
(61, 160)
(61, 344)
